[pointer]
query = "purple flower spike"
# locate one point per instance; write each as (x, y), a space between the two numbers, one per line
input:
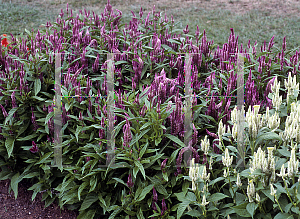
(88, 159)
(211, 134)
(141, 12)
(197, 34)
(13, 100)
(130, 184)
(4, 111)
(127, 134)
(154, 206)
(155, 198)
(186, 30)
(34, 148)
(163, 165)
(284, 44)
(164, 206)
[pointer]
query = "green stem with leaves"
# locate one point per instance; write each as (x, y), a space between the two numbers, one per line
(278, 204)
(288, 193)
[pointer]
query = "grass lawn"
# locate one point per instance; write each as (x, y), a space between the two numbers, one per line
(254, 20)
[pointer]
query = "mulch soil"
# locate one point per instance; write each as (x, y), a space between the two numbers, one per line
(24, 208)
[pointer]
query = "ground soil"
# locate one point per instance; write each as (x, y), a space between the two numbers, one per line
(23, 207)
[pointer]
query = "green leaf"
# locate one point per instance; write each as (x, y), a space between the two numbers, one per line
(190, 196)
(173, 156)
(135, 171)
(240, 198)
(88, 201)
(175, 139)
(146, 125)
(233, 149)
(78, 129)
(296, 210)
(22, 129)
(165, 175)
(180, 196)
(81, 187)
(120, 181)
(267, 193)
(38, 98)
(284, 151)
(140, 166)
(14, 184)
(93, 183)
(37, 86)
(216, 180)
(209, 117)
(87, 215)
(31, 175)
(121, 62)
(283, 216)
(49, 116)
(161, 189)
(49, 201)
(241, 210)
(174, 41)
(144, 149)
(45, 157)
(257, 172)
(181, 208)
(145, 191)
(157, 141)
(153, 159)
(10, 114)
(138, 137)
(168, 48)
(140, 214)
(137, 192)
(194, 213)
(9, 144)
(29, 137)
(280, 189)
(267, 137)
(251, 207)
(101, 200)
(116, 211)
(216, 197)
(288, 207)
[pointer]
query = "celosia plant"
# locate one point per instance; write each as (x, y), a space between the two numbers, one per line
(272, 161)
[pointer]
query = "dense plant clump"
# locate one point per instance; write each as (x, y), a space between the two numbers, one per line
(149, 178)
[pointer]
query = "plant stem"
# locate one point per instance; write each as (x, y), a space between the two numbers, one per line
(278, 204)
(288, 193)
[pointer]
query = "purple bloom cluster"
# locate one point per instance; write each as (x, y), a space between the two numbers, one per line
(127, 134)
(34, 148)
(130, 184)
(33, 120)
(163, 165)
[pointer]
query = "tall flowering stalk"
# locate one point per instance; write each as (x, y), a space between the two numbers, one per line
(130, 183)
(127, 134)
(164, 206)
(155, 199)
